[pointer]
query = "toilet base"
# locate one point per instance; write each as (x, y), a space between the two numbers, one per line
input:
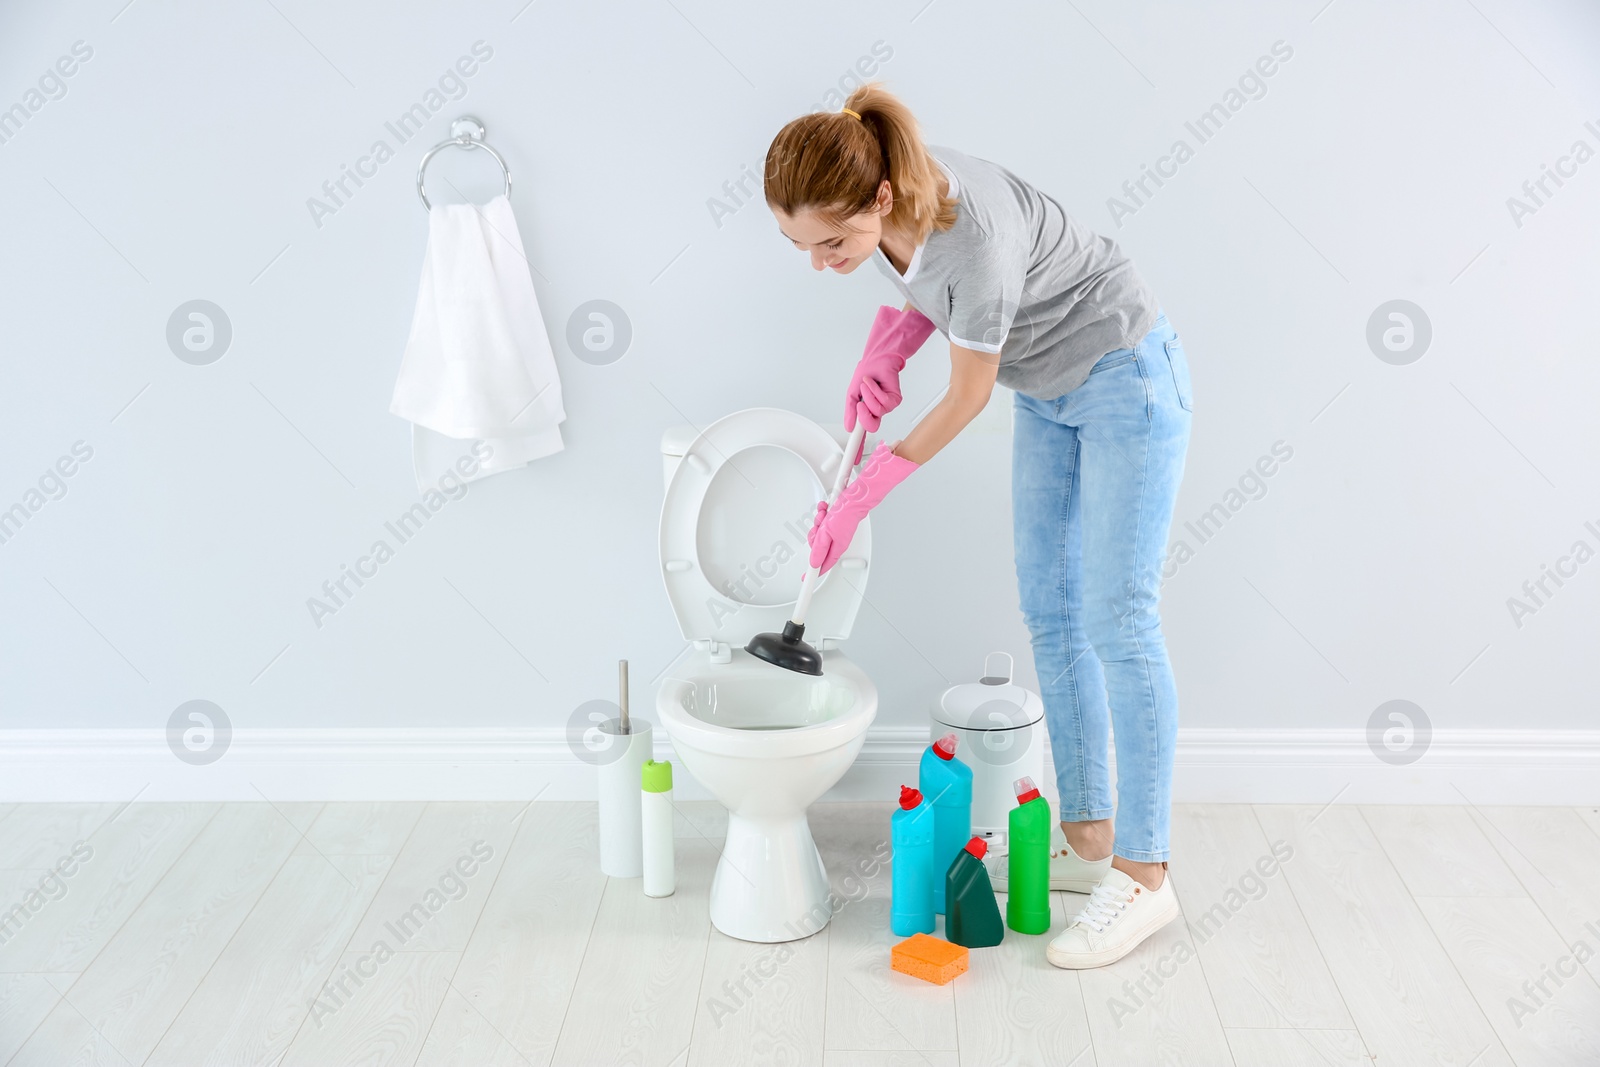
(770, 884)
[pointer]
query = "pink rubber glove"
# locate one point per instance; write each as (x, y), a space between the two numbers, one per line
(833, 528)
(896, 335)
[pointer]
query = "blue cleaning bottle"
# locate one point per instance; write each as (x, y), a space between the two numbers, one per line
(911, 869)
(946, 782)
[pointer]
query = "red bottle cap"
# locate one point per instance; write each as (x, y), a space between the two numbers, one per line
(978, 846)
(909, 798)
(1026, 790)
(945, 747)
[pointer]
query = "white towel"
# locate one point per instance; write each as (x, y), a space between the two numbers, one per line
(478, 364)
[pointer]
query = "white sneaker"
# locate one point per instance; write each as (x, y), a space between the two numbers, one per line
(1068, 870)
(1121, 913)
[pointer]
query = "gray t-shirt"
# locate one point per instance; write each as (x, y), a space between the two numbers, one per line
(1018, 277)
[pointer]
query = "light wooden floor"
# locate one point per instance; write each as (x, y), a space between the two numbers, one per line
(245, 934)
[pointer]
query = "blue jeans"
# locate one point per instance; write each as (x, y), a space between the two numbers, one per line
(1094, 477)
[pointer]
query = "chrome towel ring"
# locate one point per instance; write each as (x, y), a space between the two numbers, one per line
(467, 132)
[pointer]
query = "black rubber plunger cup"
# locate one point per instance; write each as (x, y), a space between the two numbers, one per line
(789, 649)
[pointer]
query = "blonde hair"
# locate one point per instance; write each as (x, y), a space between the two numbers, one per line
(833, 163)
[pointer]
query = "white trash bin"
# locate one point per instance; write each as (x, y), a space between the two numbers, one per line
(1002, 738)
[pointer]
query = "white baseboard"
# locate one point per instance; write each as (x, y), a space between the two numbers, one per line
(1283, 766)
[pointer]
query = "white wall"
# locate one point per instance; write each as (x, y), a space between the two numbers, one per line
(1376, 165)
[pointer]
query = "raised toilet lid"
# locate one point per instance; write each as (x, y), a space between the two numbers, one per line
(734, 524)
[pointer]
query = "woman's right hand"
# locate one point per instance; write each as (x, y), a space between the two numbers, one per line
(875, 388)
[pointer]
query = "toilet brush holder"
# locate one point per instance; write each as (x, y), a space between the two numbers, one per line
(621, 759)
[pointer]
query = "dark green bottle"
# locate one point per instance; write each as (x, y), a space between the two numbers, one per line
(972, 915)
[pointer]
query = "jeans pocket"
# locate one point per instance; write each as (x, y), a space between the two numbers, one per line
(1180, 372)
(1112, 360)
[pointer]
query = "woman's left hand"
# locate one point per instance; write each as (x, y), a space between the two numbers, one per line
(833, 527)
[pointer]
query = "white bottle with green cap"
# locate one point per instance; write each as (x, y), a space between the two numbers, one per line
(655, 798)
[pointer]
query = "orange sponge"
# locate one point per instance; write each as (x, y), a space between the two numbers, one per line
(931, 959)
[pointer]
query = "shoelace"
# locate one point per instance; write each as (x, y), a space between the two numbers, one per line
(1105, 904)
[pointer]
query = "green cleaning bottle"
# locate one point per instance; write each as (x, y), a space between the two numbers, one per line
(1028, 861)
(972, 915)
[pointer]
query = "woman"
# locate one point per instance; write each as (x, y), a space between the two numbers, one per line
(1030, 298)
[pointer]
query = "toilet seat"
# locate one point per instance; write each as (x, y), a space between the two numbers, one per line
(733, 531)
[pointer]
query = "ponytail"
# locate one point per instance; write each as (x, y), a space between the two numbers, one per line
(833, 163)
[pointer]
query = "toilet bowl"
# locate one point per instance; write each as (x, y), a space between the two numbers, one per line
(764, 741)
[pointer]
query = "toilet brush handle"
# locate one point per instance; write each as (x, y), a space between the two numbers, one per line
(808, 585)
(622, 697)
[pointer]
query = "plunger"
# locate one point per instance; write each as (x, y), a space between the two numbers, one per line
(789, 649)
